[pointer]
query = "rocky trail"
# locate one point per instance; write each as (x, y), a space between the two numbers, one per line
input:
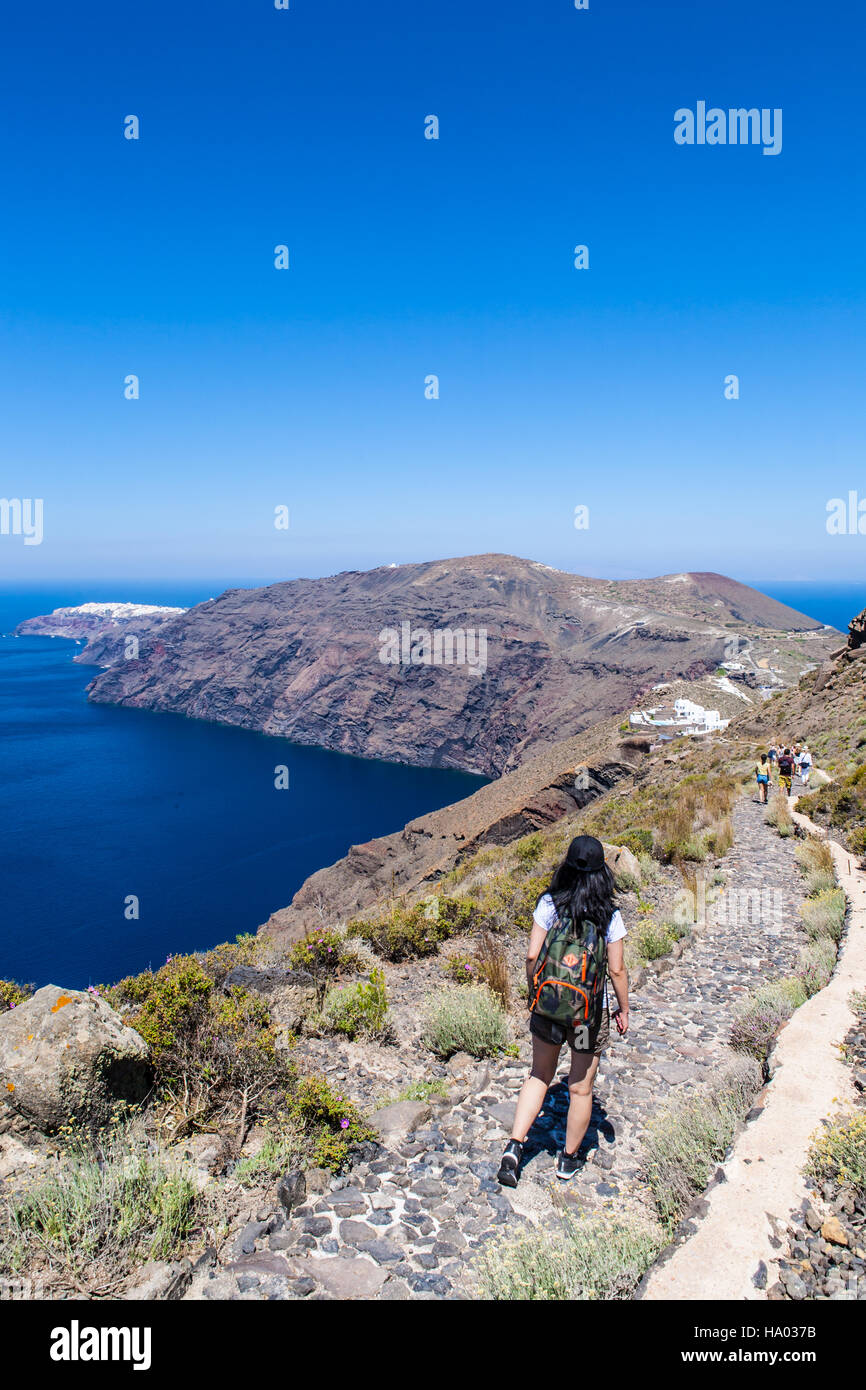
(407, 1220)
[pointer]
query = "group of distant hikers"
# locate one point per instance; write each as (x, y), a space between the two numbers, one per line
(786, 762)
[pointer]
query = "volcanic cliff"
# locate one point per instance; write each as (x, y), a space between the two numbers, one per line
(306, 659)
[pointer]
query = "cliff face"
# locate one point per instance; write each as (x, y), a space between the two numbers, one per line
(555, 783)
(559, 652)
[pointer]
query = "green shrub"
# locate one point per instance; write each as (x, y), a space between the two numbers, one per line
(460, 969)
(638, 839)
(720, 837)
(408, 933)
(627, 882)
(759, 1019)
(816, 966)
(359, 1008)
(465, 1019)
(169, 1000)
(214, 1052)
(319, 953)
(281, 1151)
(842, 804)
(824, 914)
(106, 1206)
(246, 949)
(11, 994)
(333, 1125)
(506, 901)
(685, 1142)
(819, 881)
(650, 940)
(649, 869)
(839, 1154)
(529, 850)
(814, 855)
(417, 1090)
(596, 1257)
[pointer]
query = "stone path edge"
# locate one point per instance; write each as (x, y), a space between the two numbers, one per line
(762, 1182)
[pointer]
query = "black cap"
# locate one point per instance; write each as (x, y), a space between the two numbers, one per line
(586, 853)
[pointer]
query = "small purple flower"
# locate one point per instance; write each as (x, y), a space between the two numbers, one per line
(344, 1124)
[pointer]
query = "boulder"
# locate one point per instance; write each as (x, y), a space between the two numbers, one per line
(291, 994)
(66, 1055)
(394, 1123)
(620, 860)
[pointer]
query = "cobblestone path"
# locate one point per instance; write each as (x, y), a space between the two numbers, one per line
(406, 1223)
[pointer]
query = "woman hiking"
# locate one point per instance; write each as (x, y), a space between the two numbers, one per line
(762, 776)
(577, 934)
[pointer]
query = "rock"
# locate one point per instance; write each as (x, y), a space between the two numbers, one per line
(291, 1190)
(621, 861)
(317, 1226)
(66, 1055)
(394, 1123)
(317, 1180)
(159, 1280)
(833, 1231)
(503, 1113)
(291, 994)
(812, 1219)
(381, 1250)
(245, 1242)
(356, 1232)
(675, 1073)
(460, 1065)
(17, 1157)
(345, 1277)
(265, 1263)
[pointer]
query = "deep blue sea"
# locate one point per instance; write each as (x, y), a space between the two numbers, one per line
(835, 604)
(98, 803)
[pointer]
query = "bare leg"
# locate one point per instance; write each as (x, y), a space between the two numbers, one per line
(544, 1059)
(584, 1066)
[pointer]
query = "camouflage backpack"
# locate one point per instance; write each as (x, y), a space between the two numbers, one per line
(568, 980)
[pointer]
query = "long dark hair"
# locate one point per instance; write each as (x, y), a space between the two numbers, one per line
(585, 894)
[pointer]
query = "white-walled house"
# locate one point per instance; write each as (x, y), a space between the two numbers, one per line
(684, 716)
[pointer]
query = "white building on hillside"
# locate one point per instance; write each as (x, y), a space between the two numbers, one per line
(683, 717)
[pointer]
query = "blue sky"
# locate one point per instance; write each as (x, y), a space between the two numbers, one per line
(412, 257)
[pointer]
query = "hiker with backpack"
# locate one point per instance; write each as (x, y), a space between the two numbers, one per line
(805, 764)
(576, 942)
(786, 771)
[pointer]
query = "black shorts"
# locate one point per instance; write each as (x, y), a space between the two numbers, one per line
(557, 1033)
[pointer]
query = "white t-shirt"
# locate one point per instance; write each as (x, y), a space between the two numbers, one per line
(545, 917)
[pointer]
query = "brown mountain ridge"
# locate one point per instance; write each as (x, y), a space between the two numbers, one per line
(303, 659)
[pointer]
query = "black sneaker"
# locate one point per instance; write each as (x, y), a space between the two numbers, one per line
(567, 1165)
(508, 1168)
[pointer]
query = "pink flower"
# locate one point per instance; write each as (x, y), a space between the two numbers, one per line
(344, 1124)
